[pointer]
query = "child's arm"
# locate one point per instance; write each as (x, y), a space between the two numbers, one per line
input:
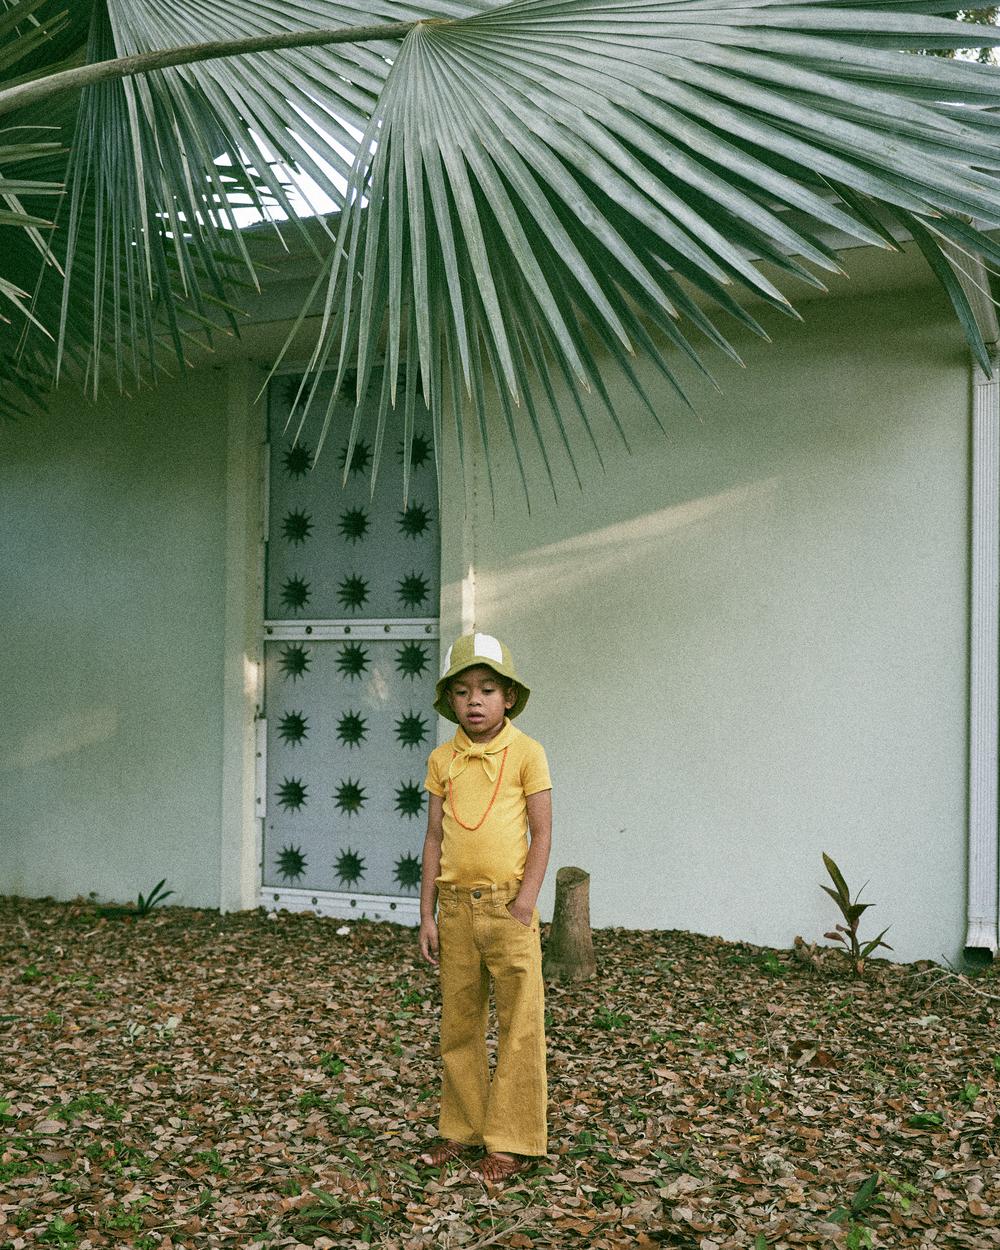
(540, 828)
(431, 867)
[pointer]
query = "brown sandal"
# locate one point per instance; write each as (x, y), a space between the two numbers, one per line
(497, 1170)
(444, 1152)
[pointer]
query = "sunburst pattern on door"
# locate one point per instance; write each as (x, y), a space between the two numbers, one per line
(348, 698)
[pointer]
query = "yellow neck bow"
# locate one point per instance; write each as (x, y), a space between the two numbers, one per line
(489, 752)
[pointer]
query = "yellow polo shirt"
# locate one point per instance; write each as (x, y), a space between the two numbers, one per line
(485, 786)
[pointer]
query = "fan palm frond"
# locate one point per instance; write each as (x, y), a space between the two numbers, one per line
(528, 190)
(554, 173)
(147, 255)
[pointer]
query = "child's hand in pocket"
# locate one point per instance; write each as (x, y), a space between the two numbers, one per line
(521, 913)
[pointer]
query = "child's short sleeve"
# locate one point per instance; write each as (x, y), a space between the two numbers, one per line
(432, 781)
(535, 770)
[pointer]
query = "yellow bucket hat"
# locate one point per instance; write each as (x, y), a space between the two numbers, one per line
(467, 652)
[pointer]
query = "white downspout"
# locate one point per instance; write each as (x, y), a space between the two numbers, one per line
(983, 903)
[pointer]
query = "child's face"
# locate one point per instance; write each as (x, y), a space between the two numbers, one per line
(478, 699)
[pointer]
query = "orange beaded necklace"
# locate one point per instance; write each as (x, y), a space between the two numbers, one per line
(489, 805)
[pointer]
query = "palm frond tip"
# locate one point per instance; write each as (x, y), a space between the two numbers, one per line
(527, 189)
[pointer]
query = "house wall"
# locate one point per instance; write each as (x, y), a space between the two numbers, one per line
(113, 523)
(747, 639)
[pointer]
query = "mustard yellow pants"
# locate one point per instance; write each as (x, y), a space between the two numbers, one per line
(479, 939)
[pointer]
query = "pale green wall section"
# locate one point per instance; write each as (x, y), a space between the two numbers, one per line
(113, 524)
(747, 640)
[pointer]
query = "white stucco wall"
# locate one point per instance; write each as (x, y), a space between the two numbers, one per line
(747, 640)
(113, 524)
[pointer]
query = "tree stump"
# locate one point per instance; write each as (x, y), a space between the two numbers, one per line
(569, 952)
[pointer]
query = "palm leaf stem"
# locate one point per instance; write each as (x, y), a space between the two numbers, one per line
(31, 93)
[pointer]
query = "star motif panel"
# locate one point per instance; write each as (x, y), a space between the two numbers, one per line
(348, 739)
(349, 717)
(334, 551)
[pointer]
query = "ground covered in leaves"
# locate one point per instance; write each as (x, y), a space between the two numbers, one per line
(197, 1080)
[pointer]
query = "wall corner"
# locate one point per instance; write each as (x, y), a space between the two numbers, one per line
(239, 848)
(984, 657)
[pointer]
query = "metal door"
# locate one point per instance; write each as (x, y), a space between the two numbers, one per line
(352, 591)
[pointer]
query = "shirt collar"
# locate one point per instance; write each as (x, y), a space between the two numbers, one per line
(465, 751)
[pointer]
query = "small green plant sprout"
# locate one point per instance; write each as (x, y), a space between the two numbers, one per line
(926, 1119)
(852, 910)
(59, 1232)
(903, 1190)
(969, 1093)
(866, 1196)
(608, 1018)
(145, 905)
(331, 1064)
(859, 1237)
(769, 963)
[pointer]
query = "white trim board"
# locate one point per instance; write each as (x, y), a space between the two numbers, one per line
(239, 850)
(324, 630)
(343, 906)
(983, 902)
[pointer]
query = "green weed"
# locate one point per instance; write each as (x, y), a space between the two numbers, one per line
(120, 1217)
(904, 1191)
(310, 1101)
(16, 1167)
(145, 905)
(682, 1162)
(591, 1145)
(852, 910)
(59, 1233)
(314, 1219)
(926, 1119)
(859, 1235)
(85, 980)
(757, 1089)
(606, 1018)
(212, 1161)
(87, 1102)
(331, 1064)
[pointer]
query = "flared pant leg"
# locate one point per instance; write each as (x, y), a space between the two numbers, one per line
(465, 989)
(479, 938)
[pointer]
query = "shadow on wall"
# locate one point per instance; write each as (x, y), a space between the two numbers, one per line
(577, 562)
(65, 734)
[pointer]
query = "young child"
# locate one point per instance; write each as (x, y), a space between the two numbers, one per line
(489, 788)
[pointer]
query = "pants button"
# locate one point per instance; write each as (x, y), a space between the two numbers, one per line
(477, 894)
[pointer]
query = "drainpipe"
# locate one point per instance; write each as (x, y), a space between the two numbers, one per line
(983, 904)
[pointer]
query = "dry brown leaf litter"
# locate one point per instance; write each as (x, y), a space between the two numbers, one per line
(197, 1080)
